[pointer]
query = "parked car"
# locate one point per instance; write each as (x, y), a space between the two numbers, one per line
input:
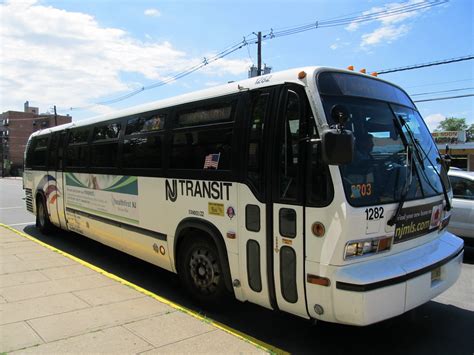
(462, 218)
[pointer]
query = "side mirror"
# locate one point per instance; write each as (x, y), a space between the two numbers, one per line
(337, 146)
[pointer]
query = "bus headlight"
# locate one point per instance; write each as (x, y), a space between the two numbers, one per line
(367, 246)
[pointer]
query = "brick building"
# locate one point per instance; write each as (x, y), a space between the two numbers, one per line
(15, 128)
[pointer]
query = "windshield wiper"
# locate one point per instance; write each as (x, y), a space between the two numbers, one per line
(419, 148)
(406, 187)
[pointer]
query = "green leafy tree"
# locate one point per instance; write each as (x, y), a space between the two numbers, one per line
(452, 124)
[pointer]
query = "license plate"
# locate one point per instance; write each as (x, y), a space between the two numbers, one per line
(436, 274)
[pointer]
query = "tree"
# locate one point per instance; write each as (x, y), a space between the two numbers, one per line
(452, 124)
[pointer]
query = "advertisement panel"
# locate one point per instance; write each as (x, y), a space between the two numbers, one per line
(416, 221)
(109, 196)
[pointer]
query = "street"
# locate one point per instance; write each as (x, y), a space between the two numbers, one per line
(441, 326)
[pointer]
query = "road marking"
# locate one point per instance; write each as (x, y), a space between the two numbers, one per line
(20, 224)
(247, 338)
(10, 208)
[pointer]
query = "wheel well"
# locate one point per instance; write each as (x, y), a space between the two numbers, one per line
(40, 196)
(191, 227)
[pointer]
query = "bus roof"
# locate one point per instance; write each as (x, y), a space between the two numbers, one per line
(277, 78)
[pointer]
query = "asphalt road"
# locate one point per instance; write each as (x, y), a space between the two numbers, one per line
(443, 326)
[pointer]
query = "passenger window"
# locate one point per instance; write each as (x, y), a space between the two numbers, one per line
(143, 151)
(106, 132)
(256, 148)
(39, 152)
(53, 152)
(144, 124)
(203, 137)
(289, 151)
(202, 149)
(143, 143)
(104, 155)
(77, 152)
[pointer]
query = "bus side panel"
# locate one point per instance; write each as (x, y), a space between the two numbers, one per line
(164, 203)
(108, 208)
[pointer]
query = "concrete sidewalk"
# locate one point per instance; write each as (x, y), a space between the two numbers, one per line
(50, 303)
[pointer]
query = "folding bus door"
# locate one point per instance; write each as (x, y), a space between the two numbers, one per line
(288, 201)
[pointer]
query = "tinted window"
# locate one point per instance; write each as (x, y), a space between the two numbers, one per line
(145, 124)
(39, 152)
(104, 155)
(355, 85)
(289, 151)
(256, 148)
(108, 131)
(77, 151)
(53, 152)
(78, 136)
(462, 188)
(143, 151)
(209, 149)
(77, 155)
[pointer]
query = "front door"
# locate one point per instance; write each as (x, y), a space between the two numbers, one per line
(288, 197)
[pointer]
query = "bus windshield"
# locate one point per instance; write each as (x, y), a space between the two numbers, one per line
(394, 153)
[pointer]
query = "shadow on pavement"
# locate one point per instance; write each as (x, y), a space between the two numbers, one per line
(433, 328)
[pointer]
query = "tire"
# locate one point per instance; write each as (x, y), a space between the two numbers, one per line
(200, 271)
(42, 218)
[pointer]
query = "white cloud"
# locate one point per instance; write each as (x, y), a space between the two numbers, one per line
(385, 34)
(389, 28)
(52, 56)
(338, 44)
(152, 12)
(433, 120)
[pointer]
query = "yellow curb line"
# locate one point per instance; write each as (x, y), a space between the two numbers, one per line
(257, 343)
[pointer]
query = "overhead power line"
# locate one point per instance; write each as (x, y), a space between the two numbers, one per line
(440, 92)
(439, 83)
(423, 65)
(444, 98)
(337, 21)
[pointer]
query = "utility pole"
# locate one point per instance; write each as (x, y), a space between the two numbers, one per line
(55, 116)
(259, 54)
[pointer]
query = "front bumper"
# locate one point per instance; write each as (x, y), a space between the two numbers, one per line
(371, 291)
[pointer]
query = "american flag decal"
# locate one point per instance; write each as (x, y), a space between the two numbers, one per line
(212, 161)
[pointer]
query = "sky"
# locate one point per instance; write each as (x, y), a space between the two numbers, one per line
(77, 53)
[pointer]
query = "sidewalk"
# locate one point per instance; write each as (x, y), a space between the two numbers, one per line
(51, 303)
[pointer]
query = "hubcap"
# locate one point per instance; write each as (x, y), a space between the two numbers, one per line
(204, 270)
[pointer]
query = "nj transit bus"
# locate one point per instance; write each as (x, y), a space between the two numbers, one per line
(314, 191)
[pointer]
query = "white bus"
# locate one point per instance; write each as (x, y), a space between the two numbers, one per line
(313, 191)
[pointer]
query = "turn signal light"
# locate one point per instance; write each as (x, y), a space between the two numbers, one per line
(318, 280)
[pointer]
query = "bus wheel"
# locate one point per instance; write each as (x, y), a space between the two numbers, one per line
(200, 271)
(42, 219)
